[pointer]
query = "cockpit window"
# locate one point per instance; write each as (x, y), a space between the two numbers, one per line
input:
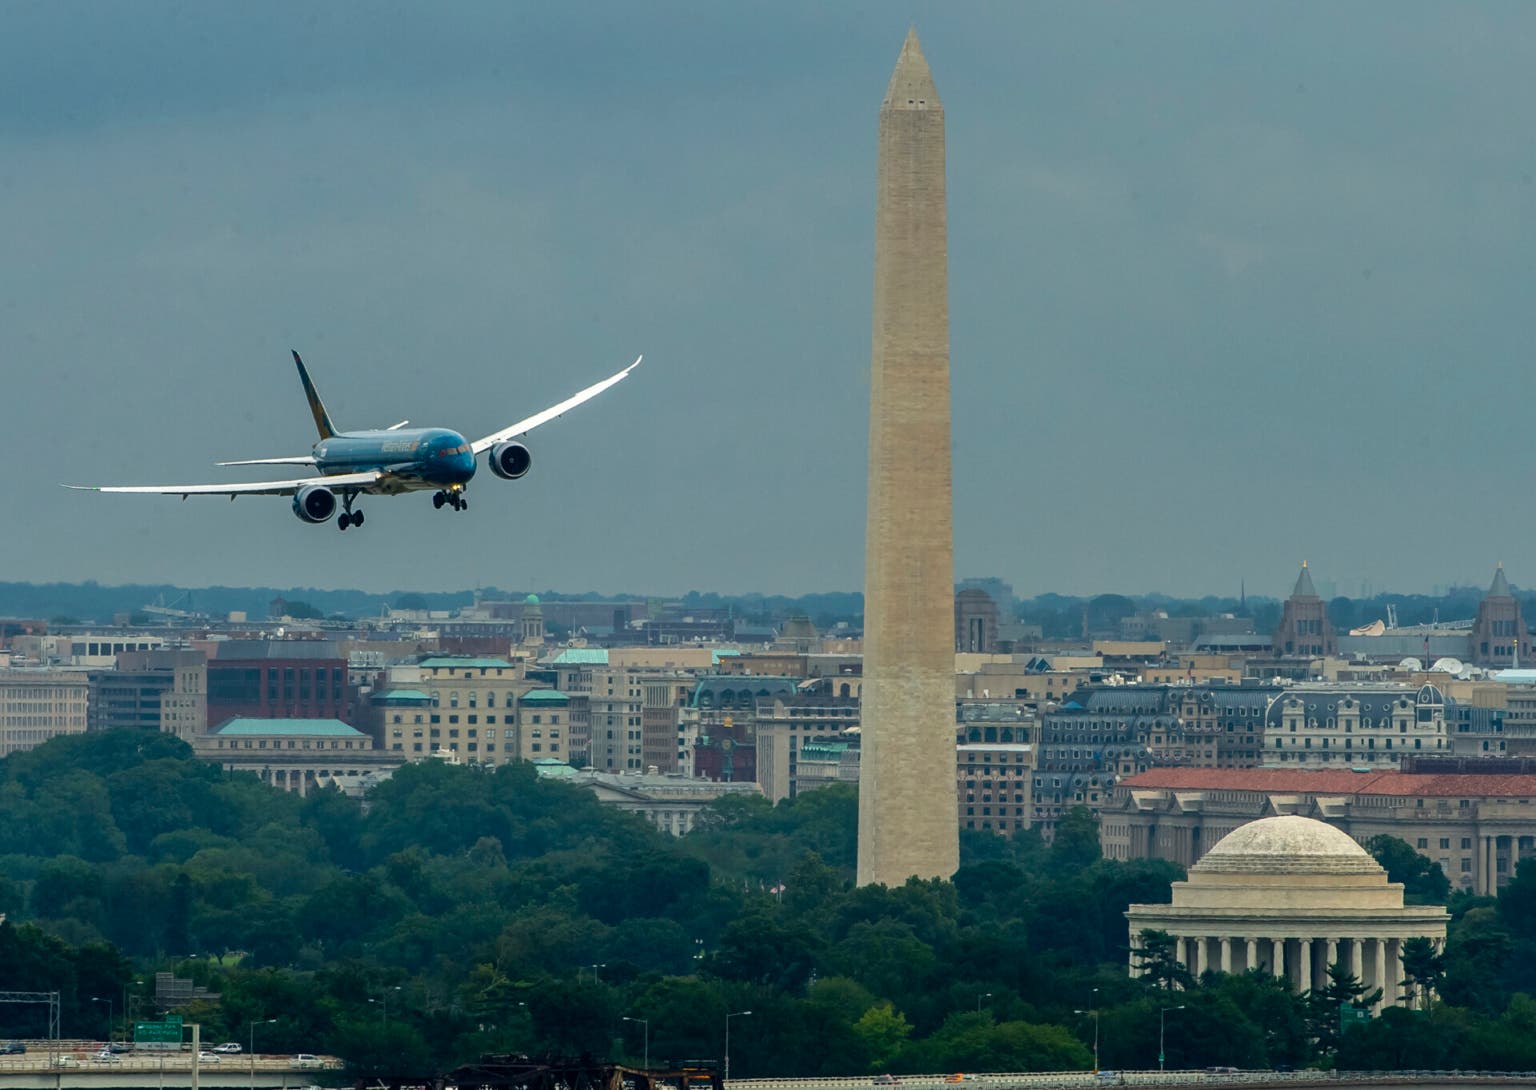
(447, 452)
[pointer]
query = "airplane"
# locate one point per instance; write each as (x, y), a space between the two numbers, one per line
(385, 462)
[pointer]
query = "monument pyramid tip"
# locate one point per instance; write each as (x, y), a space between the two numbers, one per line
(911, 85)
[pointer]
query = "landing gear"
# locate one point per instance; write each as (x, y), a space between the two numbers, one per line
(452, 497)
(438, 499)
(348, 517)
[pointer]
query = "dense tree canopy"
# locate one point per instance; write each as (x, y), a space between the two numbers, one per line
(463, 911)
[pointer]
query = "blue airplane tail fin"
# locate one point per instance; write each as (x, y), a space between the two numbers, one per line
(316, 406)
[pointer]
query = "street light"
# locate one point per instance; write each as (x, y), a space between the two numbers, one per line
(254, 1023)
(384, 1008)
(108, 1002)
(1095, 1015)
(979, 997)
(1161, 1011)
(646, 1024)
(595, 967)
(728, 1017)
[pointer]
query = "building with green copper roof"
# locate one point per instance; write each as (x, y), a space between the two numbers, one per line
(286, 728)
(581, 656)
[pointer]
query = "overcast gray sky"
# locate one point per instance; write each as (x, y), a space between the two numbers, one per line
(1232, 286)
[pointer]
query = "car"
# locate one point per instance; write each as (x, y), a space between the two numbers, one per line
(106, 1056)
(120, 1047)
(207, 1057)
(228, 1047)
(13, 1048)
(305, 1058)
(886, 1080)
(65, 1061)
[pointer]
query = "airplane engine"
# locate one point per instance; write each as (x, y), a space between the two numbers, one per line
(510, 460)
(314, 503)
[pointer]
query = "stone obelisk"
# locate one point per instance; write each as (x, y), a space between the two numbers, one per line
(908, 821)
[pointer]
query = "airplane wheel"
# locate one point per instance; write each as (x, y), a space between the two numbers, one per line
(343, 520)
(357, 518)
(438, 499)
(463, 505)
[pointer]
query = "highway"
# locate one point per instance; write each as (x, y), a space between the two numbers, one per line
(73, 1064)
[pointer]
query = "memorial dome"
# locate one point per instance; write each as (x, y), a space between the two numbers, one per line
(1287, 845)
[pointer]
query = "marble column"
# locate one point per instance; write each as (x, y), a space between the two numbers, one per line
(1304, 964)
(1355, 966)
(1277, 956)
(1379, 971)
(1253, 954)
(1333, 954)
(1226, 953)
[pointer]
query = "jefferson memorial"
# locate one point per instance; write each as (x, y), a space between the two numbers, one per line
(1291, 896)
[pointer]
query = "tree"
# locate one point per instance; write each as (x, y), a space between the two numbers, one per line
(881, 1031)
(1423, 880)
(1423, 970)
(1076, 843)
(1517, 900)
(1157, 961)
(1326, 1005)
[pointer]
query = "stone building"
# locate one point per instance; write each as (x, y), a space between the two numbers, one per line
(1477, 819)
(1304, 630)
(36, 705)
(1499, 635)
(1291, 896)
(299, 755)
(1354, 726)
(975, 622)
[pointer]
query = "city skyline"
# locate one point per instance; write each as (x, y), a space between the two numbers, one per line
(1221, 300)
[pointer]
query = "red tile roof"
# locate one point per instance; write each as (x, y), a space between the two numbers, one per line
(1337, 782)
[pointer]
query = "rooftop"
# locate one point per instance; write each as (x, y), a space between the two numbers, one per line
(1337, 782)
(1287, 845)
(307, 728)
(581, 656)
(450, 662)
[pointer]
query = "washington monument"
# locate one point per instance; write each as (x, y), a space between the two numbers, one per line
(908, 821)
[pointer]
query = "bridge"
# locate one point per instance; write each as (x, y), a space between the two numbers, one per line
(76, 1068)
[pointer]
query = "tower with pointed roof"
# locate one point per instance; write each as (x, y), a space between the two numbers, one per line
(1304, 630)
(1499, 635)
(908, 820)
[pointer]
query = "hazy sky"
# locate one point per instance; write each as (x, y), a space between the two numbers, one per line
(1232, 286)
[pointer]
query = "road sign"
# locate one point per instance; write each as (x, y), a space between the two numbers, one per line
(1351, 1015)
(158, 1036)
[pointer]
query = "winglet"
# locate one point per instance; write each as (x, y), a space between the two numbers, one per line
(316, 406)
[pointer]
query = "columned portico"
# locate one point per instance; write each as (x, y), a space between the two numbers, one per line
(1296, 896)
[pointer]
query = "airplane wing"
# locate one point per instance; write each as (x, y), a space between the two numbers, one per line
(528, 424)
(297, 460)
(359, 481)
